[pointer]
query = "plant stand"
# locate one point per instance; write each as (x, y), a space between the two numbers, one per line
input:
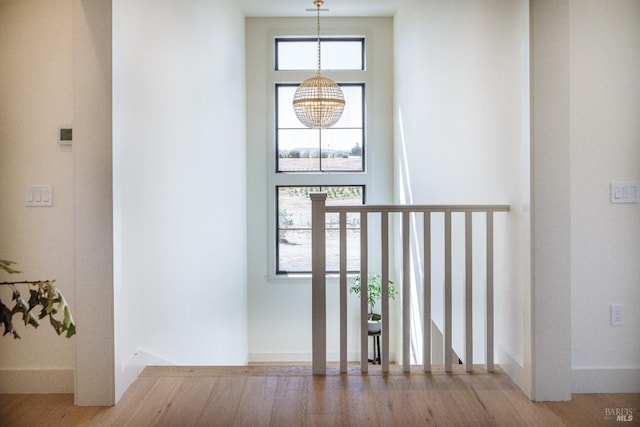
(376, 347)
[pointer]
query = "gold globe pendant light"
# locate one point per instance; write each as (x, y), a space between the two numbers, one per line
(318, 101)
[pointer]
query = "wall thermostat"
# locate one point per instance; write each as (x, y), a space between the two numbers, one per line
(65, 136)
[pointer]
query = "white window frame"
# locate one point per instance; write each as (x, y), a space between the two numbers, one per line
(318, 178)
(378, 80)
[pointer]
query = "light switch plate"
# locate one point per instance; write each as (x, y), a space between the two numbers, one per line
(40, 195)
(625, 192)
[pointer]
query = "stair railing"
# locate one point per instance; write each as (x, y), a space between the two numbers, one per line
(318, 247)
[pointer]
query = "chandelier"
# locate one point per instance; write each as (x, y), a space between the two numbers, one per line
(318, 101)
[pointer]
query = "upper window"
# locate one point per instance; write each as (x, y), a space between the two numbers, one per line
(339, 148)
(302, 53)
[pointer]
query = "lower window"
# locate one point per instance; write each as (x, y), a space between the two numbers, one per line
(293, 228)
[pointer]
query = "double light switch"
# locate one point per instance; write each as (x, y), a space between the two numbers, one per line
(625, 192)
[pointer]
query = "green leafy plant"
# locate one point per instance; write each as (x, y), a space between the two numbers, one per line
(42, 293)
(374, 291)
(285, 220)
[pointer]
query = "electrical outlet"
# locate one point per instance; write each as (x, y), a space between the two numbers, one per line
(617, 315)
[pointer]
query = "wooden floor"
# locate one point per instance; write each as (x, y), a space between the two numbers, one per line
(291, 396)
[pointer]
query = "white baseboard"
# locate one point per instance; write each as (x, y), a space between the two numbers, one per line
(279, 357)
(583, 380)
(131, 369)
(303, 357)
(129, 372)
(605, 380)
(36, 381)
(151, 359)
(516, 370)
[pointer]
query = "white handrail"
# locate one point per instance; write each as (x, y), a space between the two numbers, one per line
(318, 248)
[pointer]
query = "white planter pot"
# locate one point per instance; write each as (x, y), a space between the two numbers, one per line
(374, 326)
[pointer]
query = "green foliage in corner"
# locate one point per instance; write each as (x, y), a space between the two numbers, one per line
(374, 291)
(42, 294)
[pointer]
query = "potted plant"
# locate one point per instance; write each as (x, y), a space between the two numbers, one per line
(374, 293)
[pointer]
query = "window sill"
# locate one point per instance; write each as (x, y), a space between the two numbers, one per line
(303, 278)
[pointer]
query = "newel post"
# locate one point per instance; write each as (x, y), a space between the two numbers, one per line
(318, 284)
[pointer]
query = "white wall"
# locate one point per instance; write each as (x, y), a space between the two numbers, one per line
(93, 244)
(585, 249)
(605, 147)
(551, 217)
(36, 36)
(280, 307)
(461, 121)
(585, 135)
(180, 169)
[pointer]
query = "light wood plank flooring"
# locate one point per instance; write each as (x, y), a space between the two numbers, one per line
(291, 396)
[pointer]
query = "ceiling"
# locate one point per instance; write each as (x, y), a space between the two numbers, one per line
(276, 8)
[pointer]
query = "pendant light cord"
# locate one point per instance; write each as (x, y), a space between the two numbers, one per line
(318, 3)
